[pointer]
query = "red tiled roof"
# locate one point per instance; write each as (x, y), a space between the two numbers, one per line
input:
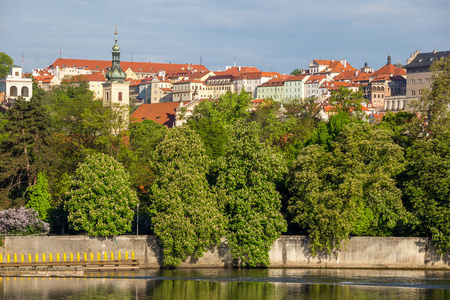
(362, 77)
(187, 81)
(315, 78)
(297, 77)
(137, 67)
(389, 69)
(44, 78)
(236, 71)
(161, 113)
(323, 62)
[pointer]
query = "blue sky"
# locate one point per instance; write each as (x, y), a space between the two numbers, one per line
(270, 35)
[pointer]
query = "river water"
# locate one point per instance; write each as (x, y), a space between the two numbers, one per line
(243, 284)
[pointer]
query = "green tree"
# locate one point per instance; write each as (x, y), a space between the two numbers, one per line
(435, 103)
(101, 201)
(344, 100)
(405, 126)
(186, 217)
(349, 190)
(427, 188)
(6, 63)
(296, 72)
(39, 197)
(246, 185)
(27, 148)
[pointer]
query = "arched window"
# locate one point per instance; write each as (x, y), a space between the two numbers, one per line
(24, 91)
(13, 91)
(120, 96)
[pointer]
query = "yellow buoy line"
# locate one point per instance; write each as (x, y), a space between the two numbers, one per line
(63, 257)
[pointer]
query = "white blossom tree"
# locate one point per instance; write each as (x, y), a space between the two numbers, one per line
(101, 201)
(246, 177)
(186, 218)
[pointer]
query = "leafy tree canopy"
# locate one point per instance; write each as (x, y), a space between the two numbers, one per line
(427, 188)
(101, 201)
(40, 198)
(435, 103)
(6, 63)
(26, 149)
(349, 190)
(347, 101)
(185, 214)
(246, 177)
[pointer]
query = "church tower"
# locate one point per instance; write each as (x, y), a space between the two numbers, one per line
(116, 90)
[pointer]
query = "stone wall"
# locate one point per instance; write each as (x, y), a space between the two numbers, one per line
(287, 251)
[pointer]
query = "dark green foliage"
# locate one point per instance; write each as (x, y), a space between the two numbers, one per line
(427, 188)
(27, 148)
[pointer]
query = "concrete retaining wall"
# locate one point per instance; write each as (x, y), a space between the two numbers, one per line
(287, 251)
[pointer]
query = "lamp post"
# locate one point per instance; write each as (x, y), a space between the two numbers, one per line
(137, 219)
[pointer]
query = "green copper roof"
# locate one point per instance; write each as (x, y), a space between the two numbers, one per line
(115, 74)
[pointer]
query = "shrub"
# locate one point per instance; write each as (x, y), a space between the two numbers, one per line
(22, 221)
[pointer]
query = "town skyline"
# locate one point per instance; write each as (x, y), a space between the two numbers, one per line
(277, 37)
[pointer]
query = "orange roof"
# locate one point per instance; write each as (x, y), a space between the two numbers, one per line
(274, 82)
(315, 78)
(236, 71)
(187, 81)
(137, 67)
(323, 62)
(161, 113)
(257, 75)
(346, 75)
(297, 77)
(362, 77)
(44, 79)
(389, 69)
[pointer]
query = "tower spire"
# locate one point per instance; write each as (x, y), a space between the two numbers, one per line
(389, 58)
(116, 73)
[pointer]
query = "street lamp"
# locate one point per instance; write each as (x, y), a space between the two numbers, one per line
(137, 219)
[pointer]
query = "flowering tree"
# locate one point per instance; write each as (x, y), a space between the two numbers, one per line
(186, 218)
(350, 190)
(101, 202)
(245, 183)
(21, 221)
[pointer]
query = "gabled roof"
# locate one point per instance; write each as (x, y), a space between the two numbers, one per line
(258, 75)
(427, 59)
(297, 77)
(161, 113)
(389, 69)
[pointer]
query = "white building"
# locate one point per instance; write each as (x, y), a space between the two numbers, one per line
(15, 85)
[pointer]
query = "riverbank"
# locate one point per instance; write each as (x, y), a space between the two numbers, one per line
(287, 252)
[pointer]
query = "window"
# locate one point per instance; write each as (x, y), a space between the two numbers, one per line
(420, 81)
(120, 96)
(413, 81)
(17, 74)
(413, 93)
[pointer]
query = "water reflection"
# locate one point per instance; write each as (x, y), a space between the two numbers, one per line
(235, 284)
